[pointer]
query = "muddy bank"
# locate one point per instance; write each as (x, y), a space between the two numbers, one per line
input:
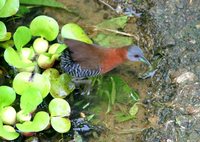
(174, 99)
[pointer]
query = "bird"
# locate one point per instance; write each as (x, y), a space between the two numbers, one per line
(83, 60)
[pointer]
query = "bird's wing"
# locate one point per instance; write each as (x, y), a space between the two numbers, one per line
(87, 55)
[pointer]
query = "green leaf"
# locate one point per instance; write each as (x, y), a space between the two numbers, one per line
(109, 108)
(61, 48)
(7, 132)
(121, 117)
(10, 8)
(4, 35)
(7, 37)
(2, 3)
(74, 31)
(51, 73)
(44, 26)
(23, 81)
(7, 44)
(30, 99)
(39, 123)
(114, 23)
(3, 31)
(134, 95)
(111, 96)
(111, 40)
(13, 59)
(50, 3)
(56, 50)
(21, 37)
(59, 107)
(61, 125)
(7, 96)
(61, 85)
(134, 110)
(113, 91)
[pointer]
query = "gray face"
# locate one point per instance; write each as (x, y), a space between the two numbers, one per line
(135, 53)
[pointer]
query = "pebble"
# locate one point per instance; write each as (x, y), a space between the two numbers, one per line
(186, 77)
(168, 40)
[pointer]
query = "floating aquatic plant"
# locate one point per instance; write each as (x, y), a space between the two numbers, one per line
(74, 31)
(24, 81)
(7, 132)
(40, 122)
(59, 110)
(44, 26)
(8, 8)
(61, 85)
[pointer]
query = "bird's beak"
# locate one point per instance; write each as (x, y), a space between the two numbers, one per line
(144, 60)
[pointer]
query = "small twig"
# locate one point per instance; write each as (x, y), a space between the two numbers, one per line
(103, 2)
(117, 32)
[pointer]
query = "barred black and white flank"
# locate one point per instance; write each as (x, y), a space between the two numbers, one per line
(74, 69)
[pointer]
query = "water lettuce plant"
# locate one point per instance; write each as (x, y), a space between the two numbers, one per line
(7, 95)
(39, 123)
(8, 8)
(24, 82)
(7, 113)
(45, 27)
(7, 132)
(61, 85)
(74, 31)
(4, 35)
(21, 37)
(32, 50)
(60, 124)
(31, 86)
(26, 58)
(60, 110)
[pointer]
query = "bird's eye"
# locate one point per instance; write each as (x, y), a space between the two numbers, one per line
(136, 56)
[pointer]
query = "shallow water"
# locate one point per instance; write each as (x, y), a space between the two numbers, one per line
(89, 13)
(167, 29)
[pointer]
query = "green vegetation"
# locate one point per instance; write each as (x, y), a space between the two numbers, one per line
(33, 51)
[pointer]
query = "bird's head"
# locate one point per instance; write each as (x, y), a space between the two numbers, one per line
(135, 53)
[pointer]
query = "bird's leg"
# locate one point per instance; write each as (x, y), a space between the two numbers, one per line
(87, 84)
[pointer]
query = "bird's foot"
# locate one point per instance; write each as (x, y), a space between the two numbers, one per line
(148, 74)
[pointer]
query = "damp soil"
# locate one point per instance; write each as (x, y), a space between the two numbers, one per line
(173, 101)
(169, 33)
